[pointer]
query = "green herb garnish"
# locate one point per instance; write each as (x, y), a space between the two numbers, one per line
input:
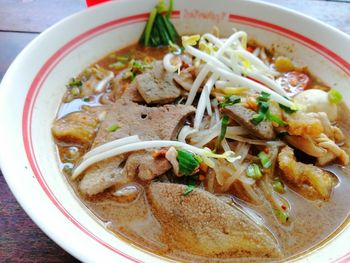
(253, 171)
(86, 99)
(75, 91)
(190, 186)
(187, 162)
(261, 115)
(287, 109)
(274, 118)
(278, 186)
(112, 128)
(123, 58)
(334, 96)
(75, 83)
(264, 97)
(257, 118)
(283, 217)
(117, 65)
(138, 66)
(229, 101)
(264, 159)
(264, 111)
(129, 75)
(159, 31)
(224, 123)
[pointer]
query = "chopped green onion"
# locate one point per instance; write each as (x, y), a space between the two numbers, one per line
(283, 217)
(123, 58)
(287, 109)
(264, 113)
(190, 40)
(264, 97)
(170, 9)
(138, 66)
(117, 65)
(75, 91)
(129, 75)
(264, 107)
(253, 171)
(224, 123)
(86, 99)
(198, 158)
(187, 162)
(264, 159)
(75, 83)
(191, 185)
(112, 128)
(229, 101)
(275, 119)
(257, 118)
(278, 186)
(188, 190)
(334, 96)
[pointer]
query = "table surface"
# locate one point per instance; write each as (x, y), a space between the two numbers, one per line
(21, 21)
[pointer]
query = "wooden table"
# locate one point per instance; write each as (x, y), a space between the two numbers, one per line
(22, 20)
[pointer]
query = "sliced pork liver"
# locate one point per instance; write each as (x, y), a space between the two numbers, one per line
(242, 115)
(150, 123)
(157, 86)
(201, 223)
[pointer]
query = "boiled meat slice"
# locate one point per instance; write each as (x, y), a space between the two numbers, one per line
(202, 224)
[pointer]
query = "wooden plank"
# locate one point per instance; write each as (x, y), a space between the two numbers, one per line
(11, 43)
(21, 240)
(35, 15)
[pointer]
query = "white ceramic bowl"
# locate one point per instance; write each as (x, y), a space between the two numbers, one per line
(33, 86)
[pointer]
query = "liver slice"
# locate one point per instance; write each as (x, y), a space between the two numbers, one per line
(157, 86)
(150, 123)
(201, 223)
(242, 115)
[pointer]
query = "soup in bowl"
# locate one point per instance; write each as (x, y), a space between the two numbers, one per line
(211, 133)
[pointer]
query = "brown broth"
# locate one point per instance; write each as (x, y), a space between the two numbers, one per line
(311, 222)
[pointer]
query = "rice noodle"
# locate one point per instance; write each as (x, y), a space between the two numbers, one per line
(269, 82)
(242, 81)
(168, 65)
(146, 145)
(226, 146)
(185, 132)
(250, 190)
(204, 100)
(256, 52)
(236, 131)
(110, 145)
(253, 141)
(232, 179)
(103, 82)
(204, 72)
